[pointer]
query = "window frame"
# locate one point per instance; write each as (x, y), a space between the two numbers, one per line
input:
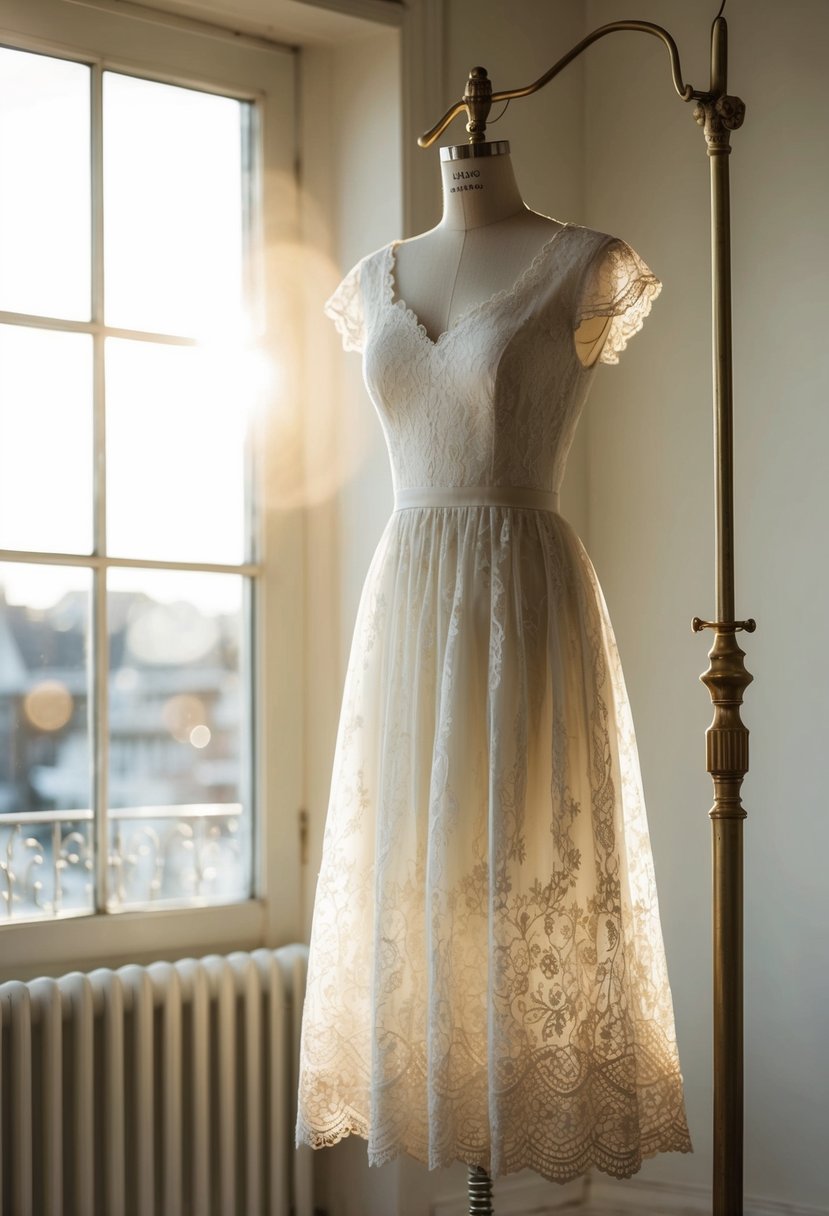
(264, 74)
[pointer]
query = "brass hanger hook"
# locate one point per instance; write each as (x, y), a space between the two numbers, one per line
(478, 96)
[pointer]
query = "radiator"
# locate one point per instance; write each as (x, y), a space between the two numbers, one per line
(166, 1090)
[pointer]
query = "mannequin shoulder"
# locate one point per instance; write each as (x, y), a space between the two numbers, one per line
(428, 249)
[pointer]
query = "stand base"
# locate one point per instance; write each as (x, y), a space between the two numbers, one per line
(480, 1192)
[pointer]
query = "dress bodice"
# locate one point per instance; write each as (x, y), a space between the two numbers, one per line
(495, 400)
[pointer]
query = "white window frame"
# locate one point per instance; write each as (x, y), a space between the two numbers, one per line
(262, 72)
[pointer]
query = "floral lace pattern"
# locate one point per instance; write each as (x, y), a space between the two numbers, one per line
(487, 979)
(620, 286)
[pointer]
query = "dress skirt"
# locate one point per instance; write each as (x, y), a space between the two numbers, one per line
(487, 979)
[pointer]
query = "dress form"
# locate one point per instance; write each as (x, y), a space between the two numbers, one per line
(486, 237)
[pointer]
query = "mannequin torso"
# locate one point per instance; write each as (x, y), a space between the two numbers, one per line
(486, 238)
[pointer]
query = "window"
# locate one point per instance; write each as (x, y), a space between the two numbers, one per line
(131, 579)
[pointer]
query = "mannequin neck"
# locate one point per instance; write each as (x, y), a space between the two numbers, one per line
(479, 190)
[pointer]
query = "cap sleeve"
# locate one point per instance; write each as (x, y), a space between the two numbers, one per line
(345, 308)
(619, 285)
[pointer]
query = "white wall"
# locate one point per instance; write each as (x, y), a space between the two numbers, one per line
(651, 535)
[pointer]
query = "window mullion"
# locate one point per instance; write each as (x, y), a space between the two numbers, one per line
(250, 786)
(99, 651)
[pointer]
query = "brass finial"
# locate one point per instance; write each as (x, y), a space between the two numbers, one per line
(477, 98)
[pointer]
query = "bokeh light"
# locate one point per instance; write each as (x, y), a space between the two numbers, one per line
(48, 705)
(181, 714)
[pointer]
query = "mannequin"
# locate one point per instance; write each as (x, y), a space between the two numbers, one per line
(486, 237)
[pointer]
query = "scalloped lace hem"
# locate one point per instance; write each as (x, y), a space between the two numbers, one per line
(625, 293)
(631, 321)
(670, 1139)
(337, 311)
(345, 308)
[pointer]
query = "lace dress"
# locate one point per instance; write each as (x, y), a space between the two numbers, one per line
(487, 978)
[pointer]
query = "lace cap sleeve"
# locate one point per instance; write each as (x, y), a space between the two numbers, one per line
(617, 284)
(345, 308)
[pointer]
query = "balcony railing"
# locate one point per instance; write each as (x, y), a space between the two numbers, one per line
(157, 856)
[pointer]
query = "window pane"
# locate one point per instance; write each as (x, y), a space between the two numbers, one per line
(45, 440)
(179, 829)
(175, 453)
(44, 185)
(45, 797)
(172, 207)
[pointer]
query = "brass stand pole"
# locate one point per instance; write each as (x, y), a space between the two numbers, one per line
(726, 677)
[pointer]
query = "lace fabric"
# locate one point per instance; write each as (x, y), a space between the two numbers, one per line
(618, 285)
(345, 308)
(487, 979)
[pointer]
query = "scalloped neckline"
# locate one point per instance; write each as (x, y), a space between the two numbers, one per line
(497, 297)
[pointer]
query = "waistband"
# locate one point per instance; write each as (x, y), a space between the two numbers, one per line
(476, 496)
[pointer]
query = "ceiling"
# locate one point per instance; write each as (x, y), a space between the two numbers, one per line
(302, 22)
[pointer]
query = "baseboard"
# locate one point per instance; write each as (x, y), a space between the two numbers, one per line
(532, 1196)
(607, 1198)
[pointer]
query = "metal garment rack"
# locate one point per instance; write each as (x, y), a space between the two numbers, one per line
(719, 114)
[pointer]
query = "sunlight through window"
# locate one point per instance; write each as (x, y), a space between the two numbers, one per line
(128, 379)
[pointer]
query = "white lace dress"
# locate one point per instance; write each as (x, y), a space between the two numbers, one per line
(487, 978)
